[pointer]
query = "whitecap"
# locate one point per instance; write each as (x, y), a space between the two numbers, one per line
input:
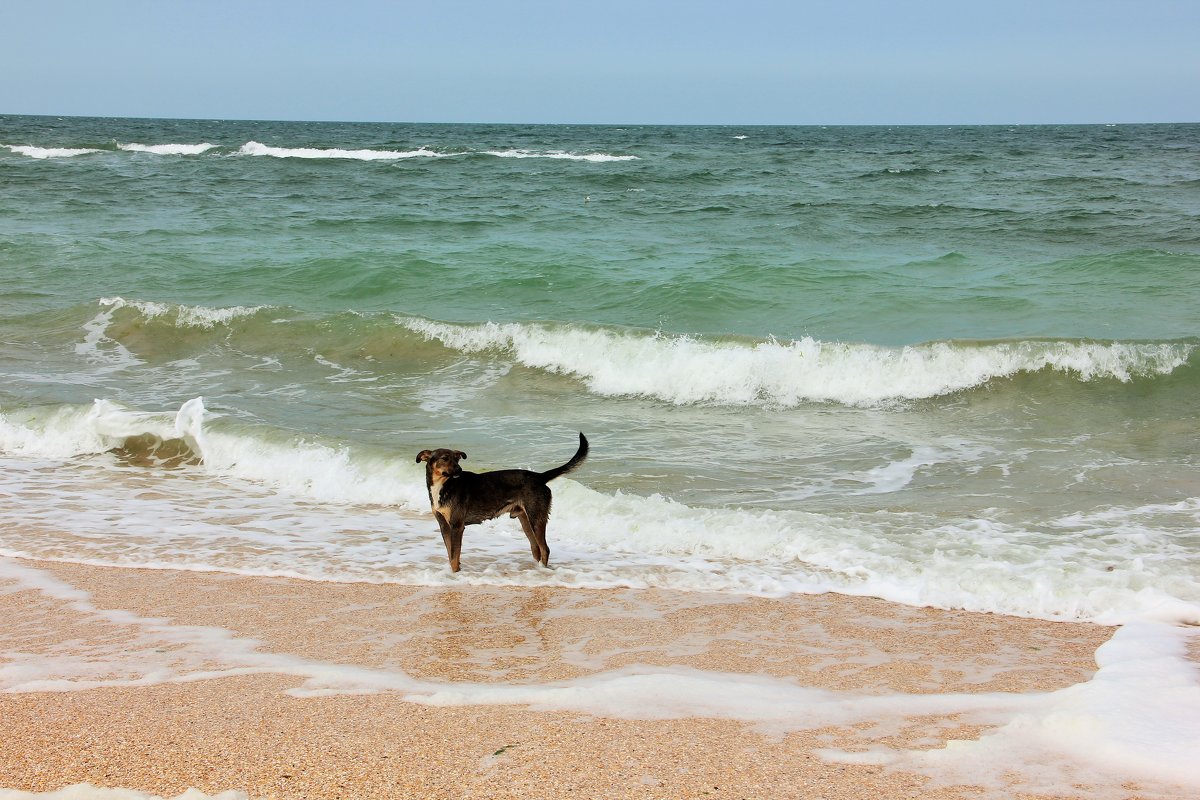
(168, 149)
(259, 149)
(560, 155)
(186, 316)
(50, 152)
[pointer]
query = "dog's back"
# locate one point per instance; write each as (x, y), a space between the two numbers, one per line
(484, 495)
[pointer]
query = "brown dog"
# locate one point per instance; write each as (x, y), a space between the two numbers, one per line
(460, 498)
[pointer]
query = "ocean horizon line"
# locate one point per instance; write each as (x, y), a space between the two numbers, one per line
(629, 124)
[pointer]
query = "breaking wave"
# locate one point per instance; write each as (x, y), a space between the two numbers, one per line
(168, 149)
(50, 152)
(685, 370)
(218, 495)
(673, 368)
(259, 149)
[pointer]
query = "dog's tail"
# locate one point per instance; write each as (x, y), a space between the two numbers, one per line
(575, 461)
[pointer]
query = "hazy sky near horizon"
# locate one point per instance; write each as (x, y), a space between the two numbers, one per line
(649, 61)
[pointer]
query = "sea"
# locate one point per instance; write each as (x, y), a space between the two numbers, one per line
(947, 366)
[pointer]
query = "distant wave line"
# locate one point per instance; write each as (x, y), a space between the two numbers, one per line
(258, 149)
(168, 149)
(50, 152)
(255, 148)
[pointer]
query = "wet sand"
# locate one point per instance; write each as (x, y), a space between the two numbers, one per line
(206, 680)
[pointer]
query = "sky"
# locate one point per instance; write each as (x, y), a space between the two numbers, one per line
(620, 61)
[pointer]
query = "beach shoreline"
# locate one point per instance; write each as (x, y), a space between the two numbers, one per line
(282, 688)
(813, 366)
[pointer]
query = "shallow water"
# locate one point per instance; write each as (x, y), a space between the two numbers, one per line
(945, 366)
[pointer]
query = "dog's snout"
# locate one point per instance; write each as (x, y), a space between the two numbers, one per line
(446, 466)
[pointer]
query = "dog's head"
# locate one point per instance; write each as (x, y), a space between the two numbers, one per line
(441, 464)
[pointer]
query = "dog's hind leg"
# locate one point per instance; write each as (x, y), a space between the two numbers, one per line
(527, 526)
(539, 530)
(537, 509)
(534, 522)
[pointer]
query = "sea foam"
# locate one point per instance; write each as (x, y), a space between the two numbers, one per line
(87, 791)
(1137, 717)
(339, 512)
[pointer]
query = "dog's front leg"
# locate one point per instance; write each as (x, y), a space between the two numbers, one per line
(454, 546)
(445, 528)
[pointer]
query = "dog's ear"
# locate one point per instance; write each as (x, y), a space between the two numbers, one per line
(461, 455)
(424, 455)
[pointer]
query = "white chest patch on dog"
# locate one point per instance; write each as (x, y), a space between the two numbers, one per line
(435, 498)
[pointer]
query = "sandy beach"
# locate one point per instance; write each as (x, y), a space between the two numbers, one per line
(221, 683)
(835, 378)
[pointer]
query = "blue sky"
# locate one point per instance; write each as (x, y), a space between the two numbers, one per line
(649, 61)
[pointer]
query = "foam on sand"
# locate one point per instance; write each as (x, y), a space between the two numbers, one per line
(86, 791)
(1136, 718)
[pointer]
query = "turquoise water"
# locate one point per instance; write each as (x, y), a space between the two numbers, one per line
(953, 366)
(884, 235)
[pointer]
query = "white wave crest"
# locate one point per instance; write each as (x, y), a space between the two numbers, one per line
(50, 152)
(685, 370)
(559, 154)
(259, 149)
(253, 148)
(111, 356)
(168, 149)
(185, 316)
(322, 472)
